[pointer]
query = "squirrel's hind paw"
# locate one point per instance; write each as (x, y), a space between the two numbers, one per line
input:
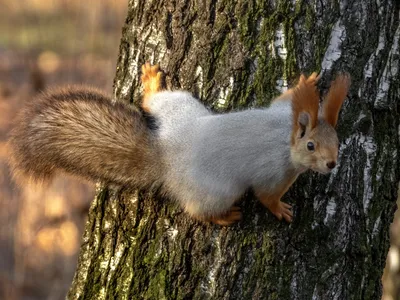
(232, 216)
(151, 79)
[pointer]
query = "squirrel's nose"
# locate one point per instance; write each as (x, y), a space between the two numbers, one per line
(331, 164)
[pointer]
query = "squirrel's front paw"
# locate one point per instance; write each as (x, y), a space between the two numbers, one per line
(282, 210)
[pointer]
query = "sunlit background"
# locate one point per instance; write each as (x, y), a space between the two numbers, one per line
(45, 43)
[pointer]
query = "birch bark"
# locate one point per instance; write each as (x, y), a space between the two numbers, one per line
(237, 54)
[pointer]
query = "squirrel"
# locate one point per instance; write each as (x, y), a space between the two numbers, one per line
(206, 161)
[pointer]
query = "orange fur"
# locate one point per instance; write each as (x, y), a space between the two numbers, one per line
(273, 200)
(334, 100)
(287, 96)
(305, 99)
(227, 219)
(312, 79)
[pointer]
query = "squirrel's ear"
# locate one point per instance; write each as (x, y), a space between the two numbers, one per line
(334, 99)
(304, 122)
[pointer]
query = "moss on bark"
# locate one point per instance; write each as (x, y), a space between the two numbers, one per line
(232, 54)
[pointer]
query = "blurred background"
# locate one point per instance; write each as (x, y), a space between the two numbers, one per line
(45, 43)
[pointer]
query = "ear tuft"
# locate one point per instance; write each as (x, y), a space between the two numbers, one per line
(335, 97)
(305, 103)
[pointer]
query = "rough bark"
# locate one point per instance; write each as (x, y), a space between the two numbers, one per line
(236, 54)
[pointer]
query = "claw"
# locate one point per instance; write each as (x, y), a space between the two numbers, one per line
(282, 210)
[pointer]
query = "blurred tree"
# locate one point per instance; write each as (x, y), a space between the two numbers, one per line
(236, 54)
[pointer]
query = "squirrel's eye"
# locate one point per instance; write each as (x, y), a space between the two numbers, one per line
(310, 146)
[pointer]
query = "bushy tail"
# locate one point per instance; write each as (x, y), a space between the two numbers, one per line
(79, 131)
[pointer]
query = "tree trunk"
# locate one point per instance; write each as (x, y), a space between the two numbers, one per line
(237, 54)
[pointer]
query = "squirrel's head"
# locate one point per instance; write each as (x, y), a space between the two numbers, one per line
(315, 144)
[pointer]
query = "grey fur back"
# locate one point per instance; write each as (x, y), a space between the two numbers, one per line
(252, 148)
(80, 131)
(215, 158)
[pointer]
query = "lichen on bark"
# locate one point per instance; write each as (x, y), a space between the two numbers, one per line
(138, 245)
